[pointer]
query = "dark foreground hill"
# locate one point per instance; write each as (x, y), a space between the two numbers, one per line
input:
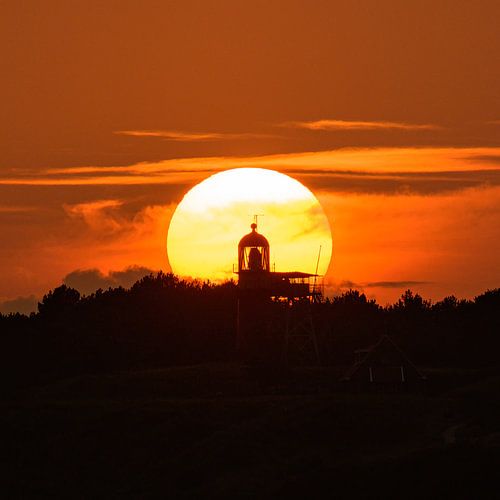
(224, 431)
(137, 394)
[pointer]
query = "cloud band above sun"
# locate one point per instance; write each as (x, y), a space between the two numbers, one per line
(477, 166)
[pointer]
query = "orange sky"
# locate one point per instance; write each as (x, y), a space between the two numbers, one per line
(388, 111)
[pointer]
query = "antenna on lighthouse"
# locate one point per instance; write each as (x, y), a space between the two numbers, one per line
(317, 267)
(317, 262)
(256, 217)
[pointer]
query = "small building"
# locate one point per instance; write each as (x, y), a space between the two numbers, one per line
(383, 366)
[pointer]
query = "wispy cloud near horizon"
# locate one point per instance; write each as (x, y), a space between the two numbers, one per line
(345, 284)
(96, 214)
(358, 125)
(16, 209)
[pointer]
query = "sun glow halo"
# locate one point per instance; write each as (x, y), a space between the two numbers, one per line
(213, 216)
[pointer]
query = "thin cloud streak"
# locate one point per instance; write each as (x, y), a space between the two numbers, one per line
(396, 284)
(381, 284)
(96, 214)
(180, 136)
(359, 125)
(15, 209)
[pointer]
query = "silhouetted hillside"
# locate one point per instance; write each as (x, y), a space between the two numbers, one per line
(136, 394)
(215, 431)
(163, 320)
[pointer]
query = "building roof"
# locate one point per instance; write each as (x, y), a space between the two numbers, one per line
(370, 355)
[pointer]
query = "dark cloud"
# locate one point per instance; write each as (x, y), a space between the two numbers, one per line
(314, 222)
(87, 281)
(420, 183)
(350, 284)
(35, 198)
(491, 159)
(23, 305)
(395, 284)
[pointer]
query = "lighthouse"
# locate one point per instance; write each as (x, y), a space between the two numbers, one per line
(274, 308)
(253, 260)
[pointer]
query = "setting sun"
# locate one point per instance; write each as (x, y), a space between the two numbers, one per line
(213, 216)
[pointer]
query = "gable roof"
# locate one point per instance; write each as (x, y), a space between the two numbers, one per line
(371, 353)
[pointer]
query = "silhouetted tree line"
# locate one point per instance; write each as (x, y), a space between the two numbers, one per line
(448, 333)
(163, 320)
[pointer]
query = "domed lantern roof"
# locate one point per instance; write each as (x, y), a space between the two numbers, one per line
(253, 239)
(253, 253)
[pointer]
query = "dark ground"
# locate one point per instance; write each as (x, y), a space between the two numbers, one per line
(225, 431)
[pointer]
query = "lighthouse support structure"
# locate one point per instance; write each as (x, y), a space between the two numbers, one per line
(301, 343)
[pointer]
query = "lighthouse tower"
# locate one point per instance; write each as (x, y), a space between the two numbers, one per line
(274, 308)
(256, 343)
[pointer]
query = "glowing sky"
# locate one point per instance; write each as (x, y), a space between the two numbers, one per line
(387, 111)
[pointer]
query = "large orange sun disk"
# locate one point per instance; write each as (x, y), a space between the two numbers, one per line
(212, 217)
